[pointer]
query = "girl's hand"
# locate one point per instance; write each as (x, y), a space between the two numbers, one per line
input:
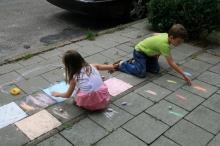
(56, 94)
(187, 79)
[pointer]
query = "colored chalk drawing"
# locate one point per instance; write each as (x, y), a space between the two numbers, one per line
(151, 92)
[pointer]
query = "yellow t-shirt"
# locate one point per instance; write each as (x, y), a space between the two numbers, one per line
(155, 45)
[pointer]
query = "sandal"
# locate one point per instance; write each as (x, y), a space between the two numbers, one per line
(117, 64)
(130, 61)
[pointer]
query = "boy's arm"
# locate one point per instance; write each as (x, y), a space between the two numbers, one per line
(103, 67)
(154, 34)
(174, 66)
(68, 93)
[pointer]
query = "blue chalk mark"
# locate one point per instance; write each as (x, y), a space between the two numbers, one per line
(171, 112)
(188, 74)
(60, 87)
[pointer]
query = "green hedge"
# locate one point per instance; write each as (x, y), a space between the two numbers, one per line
(199, 17)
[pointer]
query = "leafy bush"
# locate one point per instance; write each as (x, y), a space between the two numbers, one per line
(199, 17)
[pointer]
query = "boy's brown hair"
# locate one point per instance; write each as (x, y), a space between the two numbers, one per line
(177, 31)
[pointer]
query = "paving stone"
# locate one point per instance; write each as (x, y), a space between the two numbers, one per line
(54, 76)
(9, 67)
(178, 56)
(209, 58)
(130, 79)
(37, 124)
(197, 65)
(215, 69)
(163, 62)
(120, 39)
(170, 82)
(215, 51)
(136, 103)
(30, 61)
(163, 141)
(185, 99)
(120, 137)
(218, 92)
(85, 43)
(69, 110)
(84, 133)
(200, 88)
(90, 50)
(125, 48)
(215, 141)
(52, 63)
(105, 44)
(161, 112)
(136, 33)
(110, 120)
(32, 71)
(150, 88)
(145, 128)
(99, 58)
(69, 47)
(7, 97)
(50, 54)
(12, 136)
(193, 73)
(213, 103)
(35, 102)
(210, 78)
(107, 75)
(205, 118)
(33, 85)
(141, 25)
(56, 140)
(115, 53)
(138, 40)
(187, 134)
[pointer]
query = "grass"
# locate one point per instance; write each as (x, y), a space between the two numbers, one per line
(139, 36)
(120, 27)
(27, 56)
(90, 35)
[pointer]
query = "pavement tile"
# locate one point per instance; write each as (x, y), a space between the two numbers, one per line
(187, 134)
(205, 118)
(125, 48)
(69, 110)
(141, 25)
(54, 76)
(185, 99)
(99, 58)
(90, 50)
(108, 75)
(178, 55)
(30, 61)
(110, 120)
(69, 47)
(52, 63)
(218, 91)
(105, 43)
(197, 65)
(85, 43)
(33, 84)
(163, 141)
(34, 103)
(200, 88)
(215, 141)
(213, 103)
(146, 90)
(163, 62)
(137, 40)
(32, 71)
(37, 124)
(170, 82)
(10, 78)
(9, 67)
(130, 79)
(56, 140)
(215, 69)
(193, 73)
(84, 133)
(50, 54)
(161, 111)
(210, 78)
(115, 53)
(209, 58)
(120, 39)
(136, 103)
(134, 34)
(12, 136)
(145, 127)
(215, 51)
(120, 137)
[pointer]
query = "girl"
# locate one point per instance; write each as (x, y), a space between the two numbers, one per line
(92, 93)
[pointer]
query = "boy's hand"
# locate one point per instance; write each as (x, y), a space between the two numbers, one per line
(55, 94)
(111, 71)
(187, 79)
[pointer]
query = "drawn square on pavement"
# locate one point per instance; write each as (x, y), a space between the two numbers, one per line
(10, 113)
(37, 124)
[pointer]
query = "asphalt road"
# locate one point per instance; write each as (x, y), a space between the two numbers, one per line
(26, 25)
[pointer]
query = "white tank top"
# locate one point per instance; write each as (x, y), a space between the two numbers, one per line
(90, 83)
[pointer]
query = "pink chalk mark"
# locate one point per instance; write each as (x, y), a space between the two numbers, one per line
(180, 96)
(151, 92)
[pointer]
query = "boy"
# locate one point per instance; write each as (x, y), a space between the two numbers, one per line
(145, 53)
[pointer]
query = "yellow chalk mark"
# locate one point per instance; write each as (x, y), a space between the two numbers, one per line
(171, 81)
(200, 88)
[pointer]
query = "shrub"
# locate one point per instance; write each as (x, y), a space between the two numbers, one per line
(199, 17)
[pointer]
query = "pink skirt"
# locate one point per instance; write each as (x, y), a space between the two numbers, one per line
(94, 100)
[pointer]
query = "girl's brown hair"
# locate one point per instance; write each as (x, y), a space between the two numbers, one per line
(74, 62)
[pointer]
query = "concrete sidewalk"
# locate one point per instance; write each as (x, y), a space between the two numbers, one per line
(193, 119)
